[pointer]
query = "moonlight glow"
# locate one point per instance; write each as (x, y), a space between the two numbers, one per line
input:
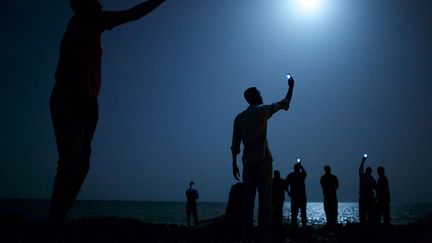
(308, 5)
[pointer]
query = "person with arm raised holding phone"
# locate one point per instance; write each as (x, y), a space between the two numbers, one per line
(366, 194)
(250, 128)
(296, 189)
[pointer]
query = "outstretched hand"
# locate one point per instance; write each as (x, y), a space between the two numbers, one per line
(236, 172)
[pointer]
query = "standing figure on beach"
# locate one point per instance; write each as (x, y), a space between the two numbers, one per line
(191, 206)
(279, 188)
(382, 197)
(329, 185)
(74, 105)
(297, 191)
(250, 128)
(367, 195)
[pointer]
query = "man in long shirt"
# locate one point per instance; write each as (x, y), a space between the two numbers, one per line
(74, 106)
(383, 197)
(329, 184)
(191, 206)
(296, 189)
(367, 196)
(250, 128)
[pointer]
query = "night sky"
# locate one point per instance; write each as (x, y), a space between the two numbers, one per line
(173, 82)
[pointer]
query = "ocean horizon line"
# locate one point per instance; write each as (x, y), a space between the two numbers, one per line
(199, 201)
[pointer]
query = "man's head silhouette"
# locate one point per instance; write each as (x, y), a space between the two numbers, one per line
(85, 6)
(276, 174)
(253, 96)
(297, 167)
(368, 170)
(327, 169)
(380, 171)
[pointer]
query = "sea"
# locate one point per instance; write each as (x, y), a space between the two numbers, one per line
(175, 213)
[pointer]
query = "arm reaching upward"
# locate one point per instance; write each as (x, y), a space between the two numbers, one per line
(111, 19)
(361, 169)
(286, 102)
(290, 90)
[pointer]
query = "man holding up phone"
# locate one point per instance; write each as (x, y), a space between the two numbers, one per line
(74, 105)
(250, 128)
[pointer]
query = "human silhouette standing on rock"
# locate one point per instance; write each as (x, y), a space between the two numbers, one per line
(250, 128)
(367, 195)
(329, 185)
(297, 191)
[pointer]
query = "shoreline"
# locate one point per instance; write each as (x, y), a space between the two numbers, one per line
(13, 228)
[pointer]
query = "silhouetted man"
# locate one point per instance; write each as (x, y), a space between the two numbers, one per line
(279, 188)
(297, 191)
(383, 197)
(250, 128)
(191, 206)
(74, 106)
(366, 200)
(329, 185)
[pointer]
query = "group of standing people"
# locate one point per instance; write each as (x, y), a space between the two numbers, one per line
(74, 112)
(374, 201)
(250, 129)
(294, 185)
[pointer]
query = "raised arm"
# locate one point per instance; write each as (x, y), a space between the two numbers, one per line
(287, 100)
(111, 19)
(361, 168)
(290, 90)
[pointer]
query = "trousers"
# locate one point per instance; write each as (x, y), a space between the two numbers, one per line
(74, 120)
(257, 176)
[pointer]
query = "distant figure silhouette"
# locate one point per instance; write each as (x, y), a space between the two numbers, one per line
(329, 185)
(74, 106)
(250, 128)
(279, 188)
(366, 200)
(191, 206)
(383, 197)
(297, 191)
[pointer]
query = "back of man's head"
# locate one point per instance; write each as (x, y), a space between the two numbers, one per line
(380, 170)
(253, 96)
(368, 170)
(276, 174)
(327, 169)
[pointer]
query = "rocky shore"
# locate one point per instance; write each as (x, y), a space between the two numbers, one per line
(110, 230)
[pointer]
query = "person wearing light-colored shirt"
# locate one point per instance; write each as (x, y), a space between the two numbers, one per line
(250, 128)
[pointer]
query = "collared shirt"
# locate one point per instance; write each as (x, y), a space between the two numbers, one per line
(250, 128)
